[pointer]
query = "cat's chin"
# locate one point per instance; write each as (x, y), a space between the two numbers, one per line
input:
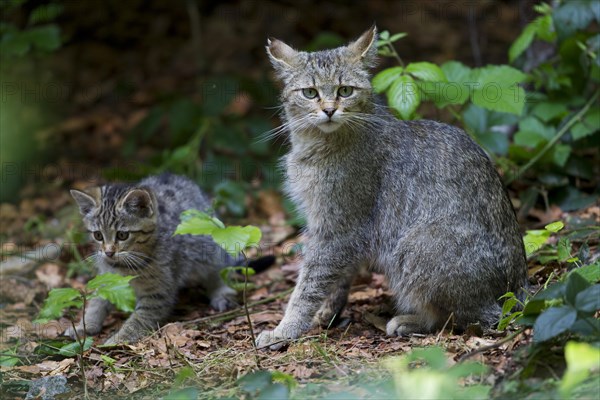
(328, 127)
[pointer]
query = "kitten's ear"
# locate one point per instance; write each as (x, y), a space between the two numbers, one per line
(365, 47)
(282, 56)
(86, 202)
(138, 202)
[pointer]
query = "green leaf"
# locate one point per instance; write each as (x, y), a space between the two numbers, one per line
(14, 44)
(588, 125)
(255, 381)
(274, 391)
(74, 349)
(522, 42)
(403, 96)
(533, 132)
(575, 284)
(554, 291)
(555, 226)
(196, 223)
(383, 80)
(45, 13)
(116, 289)
(591, 272)
(553, 322)
(455, 91)
(545, 28)
(57, 301)
(232, 239)
(534, 240)
(560, 154)
(571, 16)
(182, 375)
(588, 300)
(8, 361)
(44, 38)
(497, 88)
(586, 326)
(287, 379)
(426, 71)
(508, 305)
(434, 356)
(547, 111)
(397, 36)
(580, 358)
(563, 249)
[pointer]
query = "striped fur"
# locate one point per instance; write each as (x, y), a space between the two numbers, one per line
(416, 200)
(149, 212)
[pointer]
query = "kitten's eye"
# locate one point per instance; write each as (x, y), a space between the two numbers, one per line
(122, 235)
(345, 91)
(98, 235)
(310, 93)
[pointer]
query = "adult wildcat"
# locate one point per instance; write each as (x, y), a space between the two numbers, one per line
(417, 200)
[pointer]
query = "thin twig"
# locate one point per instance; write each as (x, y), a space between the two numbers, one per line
(491, 346)
(247, 312)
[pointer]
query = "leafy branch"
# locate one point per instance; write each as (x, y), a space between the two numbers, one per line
(233, 239)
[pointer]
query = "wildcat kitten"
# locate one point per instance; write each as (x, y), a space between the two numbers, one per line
(418, 200)
(133, 227)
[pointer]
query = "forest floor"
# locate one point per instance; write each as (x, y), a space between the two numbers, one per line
(215, 349)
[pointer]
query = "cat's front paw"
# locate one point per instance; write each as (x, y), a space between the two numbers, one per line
(271, 340)
(403, 325)
(79, 332)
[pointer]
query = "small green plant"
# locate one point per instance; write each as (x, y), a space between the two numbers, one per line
(112, 287)
(564, 306)
(567, 306)
(233, 239)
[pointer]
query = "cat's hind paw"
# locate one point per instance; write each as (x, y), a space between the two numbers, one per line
(405, 325)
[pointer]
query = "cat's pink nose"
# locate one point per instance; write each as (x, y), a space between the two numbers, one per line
(329, 111)
(109, 253)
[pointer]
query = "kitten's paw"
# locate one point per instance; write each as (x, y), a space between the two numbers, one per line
(270, 340)
(224, 299)
(404, 325)
(90, 330)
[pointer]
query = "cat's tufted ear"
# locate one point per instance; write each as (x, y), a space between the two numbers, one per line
(86, 201)
(365, 47)
(282, 56)
(137, 202)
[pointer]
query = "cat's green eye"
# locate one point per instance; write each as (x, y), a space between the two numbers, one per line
(345, 91)
(122, 235)
(98, 235)
(310, 93)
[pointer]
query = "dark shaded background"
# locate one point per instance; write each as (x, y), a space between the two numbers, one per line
(75, 113)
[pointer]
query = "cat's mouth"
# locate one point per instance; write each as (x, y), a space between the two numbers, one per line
(329, 126)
